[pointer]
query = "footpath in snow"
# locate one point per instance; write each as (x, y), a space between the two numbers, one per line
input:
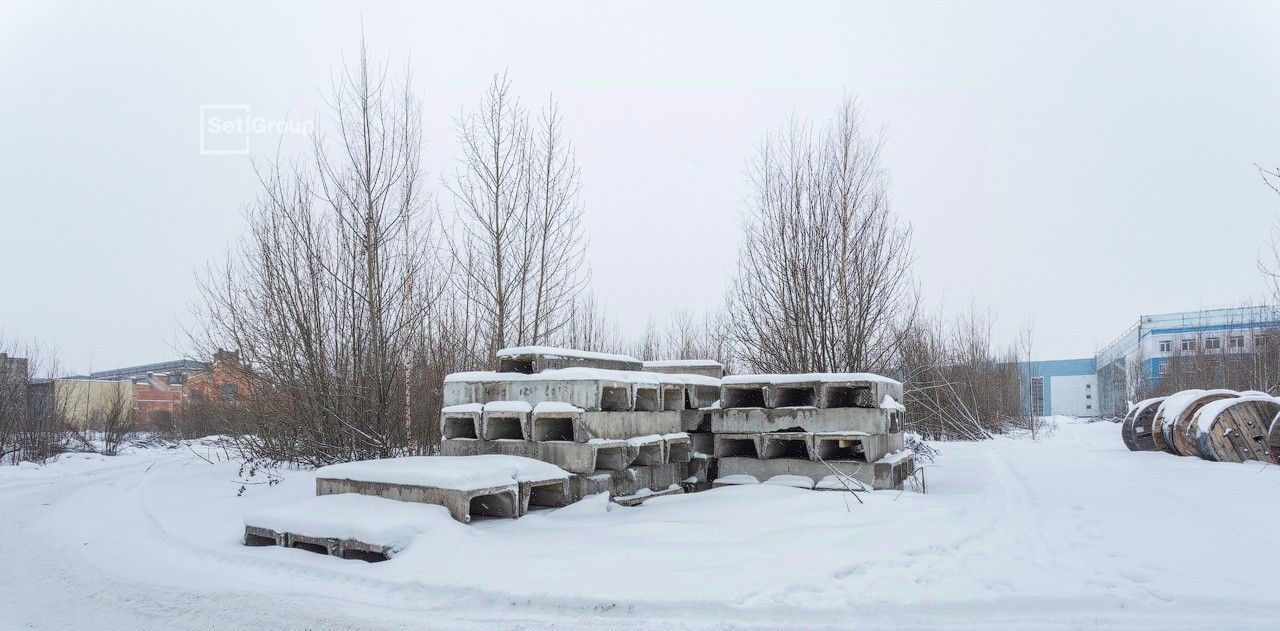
(1070, 531)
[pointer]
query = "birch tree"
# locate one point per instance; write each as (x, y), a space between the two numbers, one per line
(823, 279)
(519, 246)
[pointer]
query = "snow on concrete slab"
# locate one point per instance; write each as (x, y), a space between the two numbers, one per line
(897, 456)
(463, 473)
(683, 363)
(820, 377)
(737, 478)
(556, 407)
(555, 351)
(508, 406)
(373, 520)
(463, 408)
(581, 373)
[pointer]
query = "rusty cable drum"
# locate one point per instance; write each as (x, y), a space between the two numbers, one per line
(1169, 408)
(1273, 439)
(1234, 430)
(1136, 430)
(1177, 430)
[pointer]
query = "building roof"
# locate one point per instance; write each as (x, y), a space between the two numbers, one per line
(135, 372)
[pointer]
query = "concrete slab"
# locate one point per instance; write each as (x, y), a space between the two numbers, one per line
(759, 420)
(581, 458)
(460, 423)
(555, 425)
(678, 447)
(743, 395)
(535, 359)
(700, 396)
(463, 504)
(743, 445)
(704, 367)
(628, 481)
(651, 450)
(624, 425)
(888, 473)
(786, 445)
(850, 446)
(792, 394)
(702, 443)
(673, 397)
(586, 392)
(695, 420)
(646, 494)
(502, 421)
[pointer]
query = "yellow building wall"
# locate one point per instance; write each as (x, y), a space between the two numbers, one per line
(83, 402)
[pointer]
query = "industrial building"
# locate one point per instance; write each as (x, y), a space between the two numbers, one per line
(1067, 387)
(1138, 359)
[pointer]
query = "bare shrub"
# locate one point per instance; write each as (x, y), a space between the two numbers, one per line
(957, 386)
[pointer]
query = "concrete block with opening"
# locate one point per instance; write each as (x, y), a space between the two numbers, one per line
(505, 420)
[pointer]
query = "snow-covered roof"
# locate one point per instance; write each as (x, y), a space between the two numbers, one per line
(463, 473)
(555, 351)
(821, 377)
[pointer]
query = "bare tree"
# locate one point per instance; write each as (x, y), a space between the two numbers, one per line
(823, 280)
(519, 247)
(326, 296)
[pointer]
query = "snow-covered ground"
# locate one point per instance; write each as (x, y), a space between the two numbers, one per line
(1069, 531)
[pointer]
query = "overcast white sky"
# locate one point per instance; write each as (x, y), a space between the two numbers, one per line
(1073, 165)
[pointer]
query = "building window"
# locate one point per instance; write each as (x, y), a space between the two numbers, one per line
(1088, 396)
(1212, 343)
(1037, 396)
(1188, 345)
(1166, 346)
(1088, 407)
(229, 392)
(1236, 342)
